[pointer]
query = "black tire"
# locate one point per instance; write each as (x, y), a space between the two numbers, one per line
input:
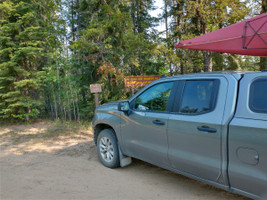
(107, 149)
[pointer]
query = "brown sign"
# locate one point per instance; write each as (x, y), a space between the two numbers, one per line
(140, 80)
(95, 88)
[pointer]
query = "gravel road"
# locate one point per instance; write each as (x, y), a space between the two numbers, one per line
(38, 162)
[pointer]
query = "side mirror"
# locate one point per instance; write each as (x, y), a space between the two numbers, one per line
(124, 106)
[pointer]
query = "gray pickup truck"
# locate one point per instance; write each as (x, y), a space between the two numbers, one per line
(208, 126)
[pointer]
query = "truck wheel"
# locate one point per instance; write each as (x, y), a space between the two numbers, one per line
(107, 149)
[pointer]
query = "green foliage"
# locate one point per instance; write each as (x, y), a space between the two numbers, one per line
(33, 114)
(51, 51)
(23, 47)
(190, 19)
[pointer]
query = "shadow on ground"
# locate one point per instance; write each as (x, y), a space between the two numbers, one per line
(43, 161)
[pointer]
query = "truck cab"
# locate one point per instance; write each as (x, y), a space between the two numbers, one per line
(208, 126)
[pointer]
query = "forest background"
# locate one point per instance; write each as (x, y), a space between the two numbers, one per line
(51, 51)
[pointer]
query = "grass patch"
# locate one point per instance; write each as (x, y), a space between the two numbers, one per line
(74, 124)
(53, 130)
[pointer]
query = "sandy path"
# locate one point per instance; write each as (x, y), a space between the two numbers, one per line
(66, 167)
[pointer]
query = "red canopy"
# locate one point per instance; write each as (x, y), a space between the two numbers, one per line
(248, 37)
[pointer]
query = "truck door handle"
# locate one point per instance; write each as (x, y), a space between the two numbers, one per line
(206, 129)
(158, 122)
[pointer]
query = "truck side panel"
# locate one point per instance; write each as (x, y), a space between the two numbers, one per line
(248, 140)
(248, 156)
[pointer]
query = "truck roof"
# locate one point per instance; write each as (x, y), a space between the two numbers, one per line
(237, 74)
(227, 72)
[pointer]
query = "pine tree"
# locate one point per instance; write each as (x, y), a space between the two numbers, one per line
(24, 39)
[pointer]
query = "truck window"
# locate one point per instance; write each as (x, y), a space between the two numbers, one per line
(258, 96)
(154, 98)
(199, 96)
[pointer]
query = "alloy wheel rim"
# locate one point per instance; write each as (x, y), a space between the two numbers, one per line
(106, 149)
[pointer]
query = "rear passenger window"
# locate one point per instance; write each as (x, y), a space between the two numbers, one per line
(258, 96)
(199, 96)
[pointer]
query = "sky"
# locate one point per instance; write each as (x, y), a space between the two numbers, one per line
(159, 4)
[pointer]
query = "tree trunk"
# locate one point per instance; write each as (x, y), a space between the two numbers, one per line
(59, 89)
(264, 6)
(55, 101)
(83, 89)
(207, 54)
(51, 107)
(207, 61)
(65, 114)
(77, 106)
(263, 63)
(182, 67)
(68, 105)
(28, 108)
(72, 20)
(133, 15)
(78, 17)
(263, 60)
(73, 103)
(139, 16)
(166, 18)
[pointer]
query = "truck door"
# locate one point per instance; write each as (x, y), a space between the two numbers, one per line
(144, 130)
(195, 127)
(248, 138)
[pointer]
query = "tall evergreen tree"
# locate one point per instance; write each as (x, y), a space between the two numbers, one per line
(25, 36)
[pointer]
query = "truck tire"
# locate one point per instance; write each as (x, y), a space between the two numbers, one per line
(107, 149)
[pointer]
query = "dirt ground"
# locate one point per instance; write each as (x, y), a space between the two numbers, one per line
(46, 160)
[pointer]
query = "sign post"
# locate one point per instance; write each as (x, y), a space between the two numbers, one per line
(96, 88)
(96, 99)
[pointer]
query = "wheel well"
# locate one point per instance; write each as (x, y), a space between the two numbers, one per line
(99, 127)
